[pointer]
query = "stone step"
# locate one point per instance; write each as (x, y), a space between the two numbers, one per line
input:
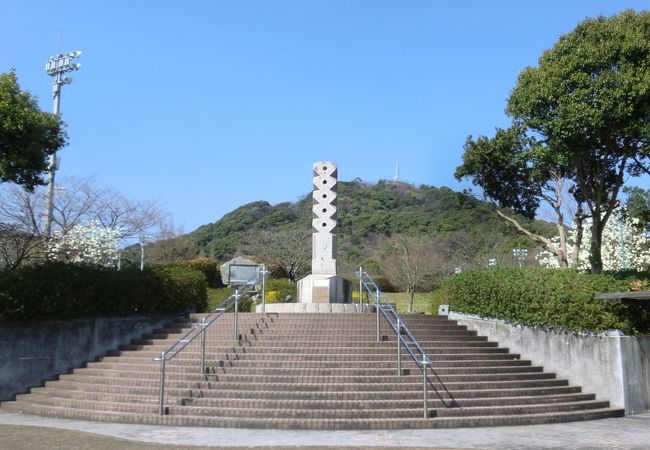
(389, 363)
(314, 371)
(334, 394)
(52, 395)
(414, 403)
(391, 412)
(443, 346)
(440, 354)
(522, 409)
(305, 342)
(383, 395)
(369, 383)
(318, 424)
(187, 369)
(310, 376)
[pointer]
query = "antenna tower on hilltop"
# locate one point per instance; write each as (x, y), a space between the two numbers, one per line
(396, 178)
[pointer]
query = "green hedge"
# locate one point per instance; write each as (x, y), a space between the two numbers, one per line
(57, 290)
(546, 297)
(209, 268)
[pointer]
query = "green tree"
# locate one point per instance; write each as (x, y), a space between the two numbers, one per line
(517, 172)
(27, 135)
(638, 205)
(587, 103)
(590, 99)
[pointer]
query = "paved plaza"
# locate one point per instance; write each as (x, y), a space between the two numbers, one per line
(632, 432)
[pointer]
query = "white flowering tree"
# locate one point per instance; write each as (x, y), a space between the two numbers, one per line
(624, 243)
(92, 244)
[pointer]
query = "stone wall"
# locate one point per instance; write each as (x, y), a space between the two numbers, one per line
(34, 352)
(615, 368)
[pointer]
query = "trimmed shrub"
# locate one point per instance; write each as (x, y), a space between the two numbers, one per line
(246, 305)
(57, 290)
(538, 296)
(209, 268)
(277, 290)
(183, 286)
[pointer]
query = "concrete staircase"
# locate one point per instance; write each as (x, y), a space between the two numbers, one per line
(315, 371)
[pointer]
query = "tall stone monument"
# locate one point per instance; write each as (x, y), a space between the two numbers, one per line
(324, 285)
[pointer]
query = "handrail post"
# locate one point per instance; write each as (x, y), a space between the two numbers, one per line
(264, 273)
(235, 324)
(425, 394)
(399, 347)
(202, 346)
(360, 289)
(162, 384)
(377, 308)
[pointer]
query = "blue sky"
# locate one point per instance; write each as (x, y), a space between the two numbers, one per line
(207, 105)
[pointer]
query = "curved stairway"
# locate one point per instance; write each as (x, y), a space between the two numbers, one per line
(315, 371)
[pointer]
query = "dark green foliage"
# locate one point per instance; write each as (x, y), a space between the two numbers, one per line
(536, 296)
(58, 290)
(382, 283)
(366, 213)
(278, 288)
(505, 168)
(246, 305)
(182, 287)
(588, 101)
(27, 135)
(638, 205)
(209, 268)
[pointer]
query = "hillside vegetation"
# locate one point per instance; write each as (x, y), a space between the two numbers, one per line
(367, 213)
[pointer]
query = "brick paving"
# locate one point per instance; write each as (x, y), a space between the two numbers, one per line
(632, 432)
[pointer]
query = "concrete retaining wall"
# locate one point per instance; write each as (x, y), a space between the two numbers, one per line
(615, 368)
(34, 352)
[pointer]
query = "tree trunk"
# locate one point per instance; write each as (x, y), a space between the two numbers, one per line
(411, 293)
(548, 245)
(596, 259)
(579, 220)
(562, 256)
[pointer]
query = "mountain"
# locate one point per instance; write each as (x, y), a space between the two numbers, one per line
(367, 213)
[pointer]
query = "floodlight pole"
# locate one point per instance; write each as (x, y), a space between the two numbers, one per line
(56, 66)
(142, 241)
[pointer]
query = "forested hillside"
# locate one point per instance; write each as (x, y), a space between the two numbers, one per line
(367, 213)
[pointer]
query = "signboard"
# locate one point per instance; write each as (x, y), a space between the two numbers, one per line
(243, 274)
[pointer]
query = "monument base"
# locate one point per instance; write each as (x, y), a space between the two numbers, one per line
(324, 289)
(331, 308)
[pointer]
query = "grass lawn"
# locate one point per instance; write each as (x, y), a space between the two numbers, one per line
(421, 302)
(217, 296)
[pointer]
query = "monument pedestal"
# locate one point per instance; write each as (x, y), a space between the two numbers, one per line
(322, 308)
(324, 289)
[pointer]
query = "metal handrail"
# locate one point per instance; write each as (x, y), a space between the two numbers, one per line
(412, 346)
(199, 330)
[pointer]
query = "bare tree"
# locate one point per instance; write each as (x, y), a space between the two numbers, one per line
(17, 245)
(289, 249)
(76, 201)
(410, 262)
(171, 244)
